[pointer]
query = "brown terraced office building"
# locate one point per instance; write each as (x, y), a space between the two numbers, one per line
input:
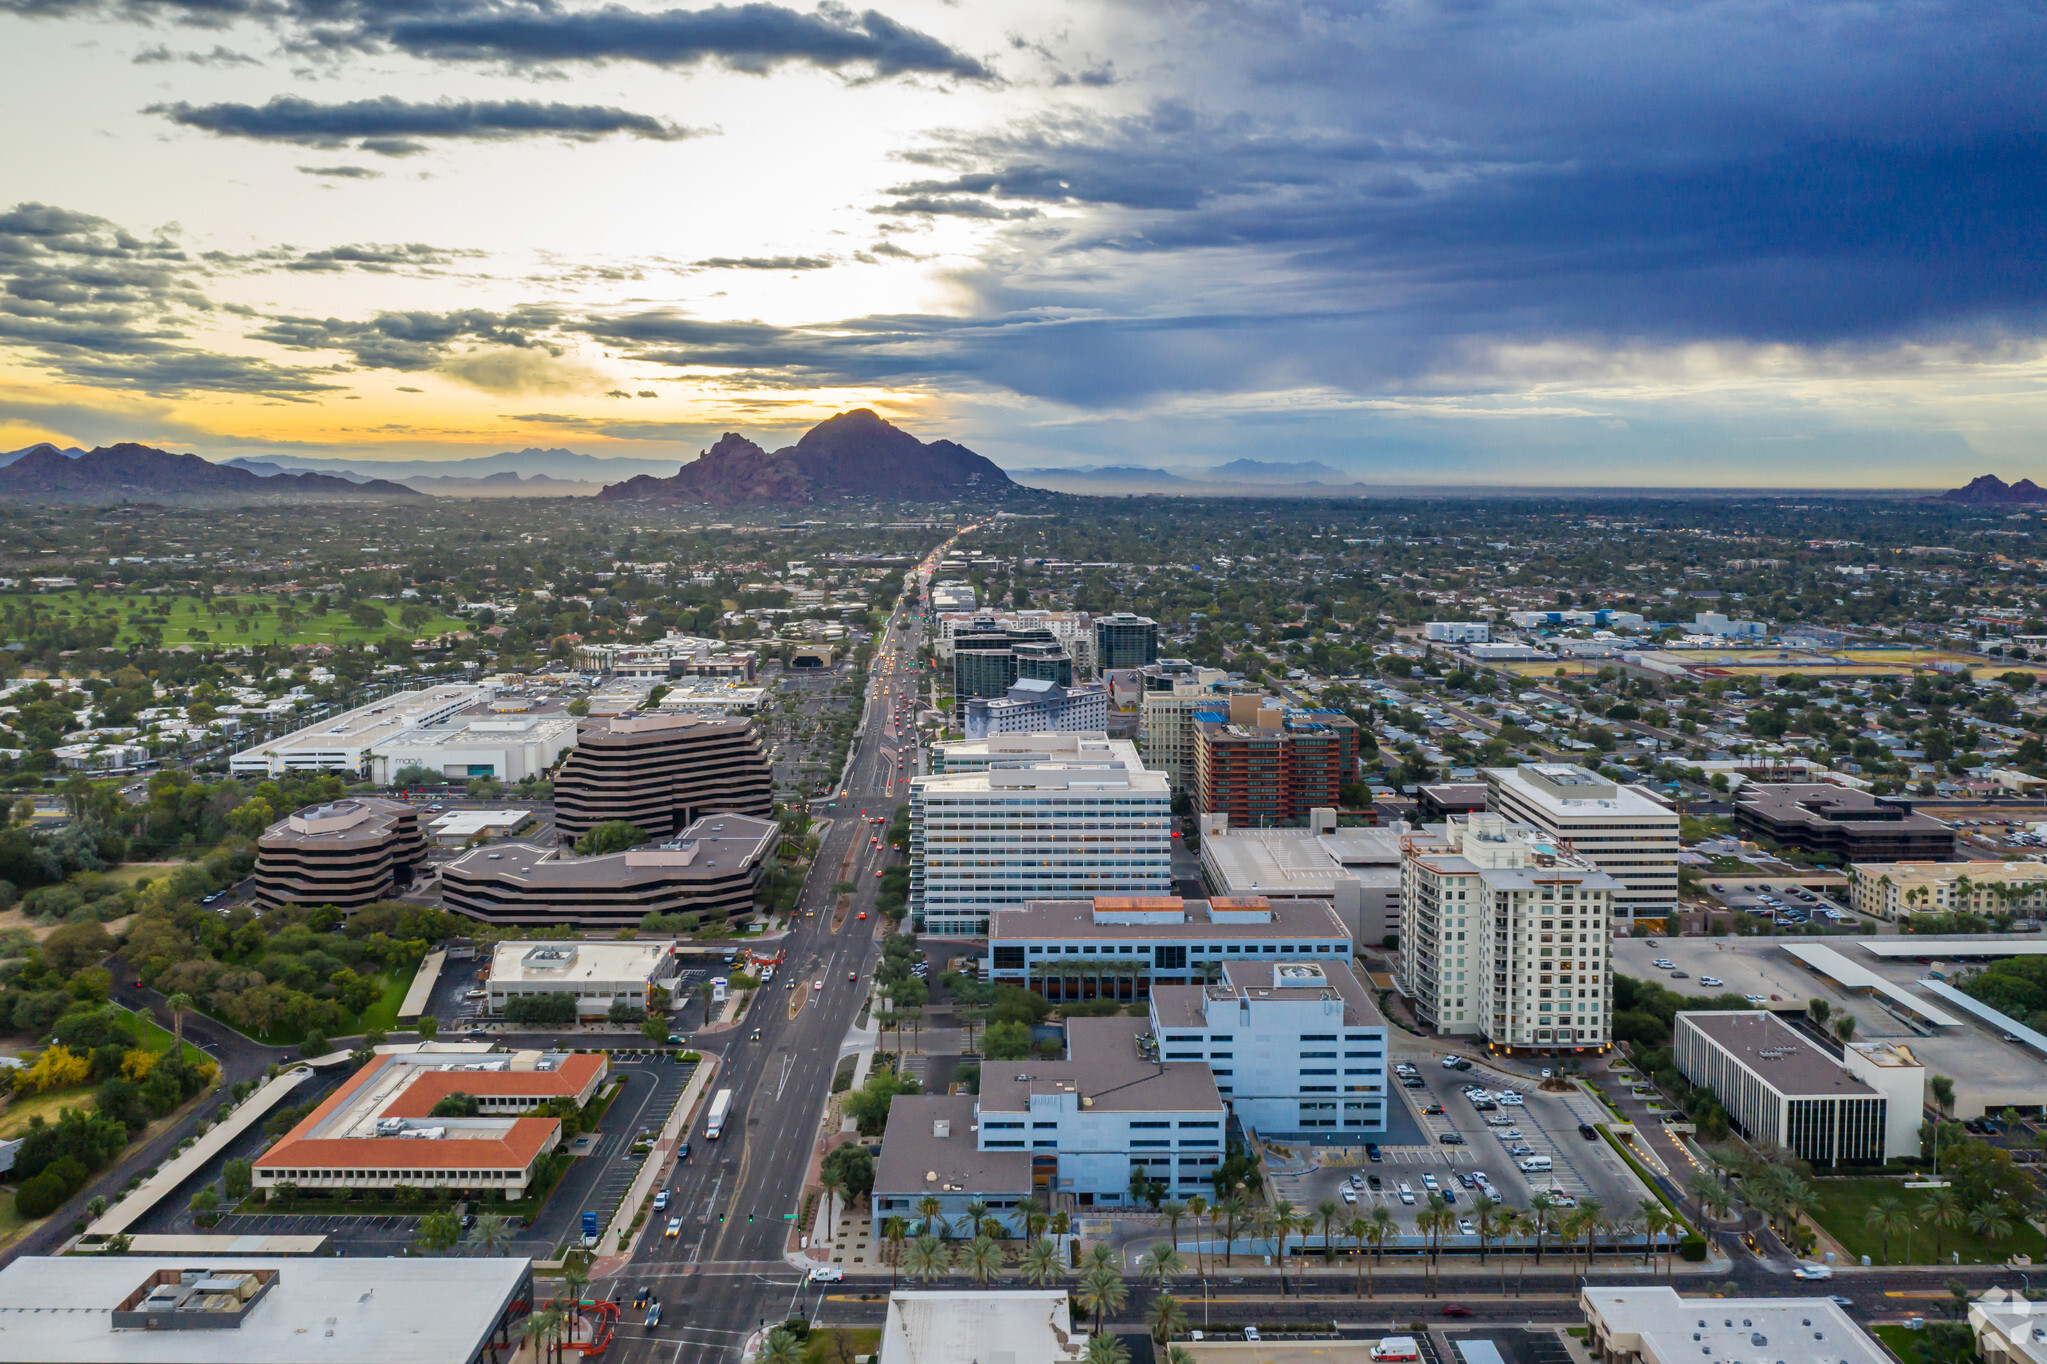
(345, 853)
(1840, 824)
(661, 772)
(712, 869)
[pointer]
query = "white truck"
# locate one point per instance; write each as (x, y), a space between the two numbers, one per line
(714, 1121)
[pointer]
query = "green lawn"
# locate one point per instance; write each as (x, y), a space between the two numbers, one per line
(153, 1036)
(862, 1340)
(383, 1014)
(1843, 1203)
(15, 1119)
(188, 620)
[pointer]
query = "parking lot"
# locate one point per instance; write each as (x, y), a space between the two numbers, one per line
(1786, 902)
(1542, 1124)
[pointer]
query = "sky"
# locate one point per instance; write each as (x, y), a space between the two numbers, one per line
(1717, 243)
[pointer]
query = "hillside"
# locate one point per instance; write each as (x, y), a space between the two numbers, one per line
(141, 473)
(853, 455)
(1989, 490)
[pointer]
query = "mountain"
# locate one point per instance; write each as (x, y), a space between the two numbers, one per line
(1990, 490)
(1262, 471)
(1103, 479)
(506, 484)
(142, 473)
(8, 457)
(551, 463)
(855, 454)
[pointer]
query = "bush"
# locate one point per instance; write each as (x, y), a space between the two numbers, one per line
(1692, 1248)
(456, 1105)
(613, 835)
(40, 1196)
(557, 1009)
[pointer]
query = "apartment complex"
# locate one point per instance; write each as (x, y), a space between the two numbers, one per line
(713, 868)
(1840, 824)
(1125, 641)
(1121, 946)
(1504, 935)
(1622, 830)
(1896, 890)
(596, 974)
(1034, 706)
(1295, 1045)
(989, 841)
(343, 743)
(662, 773)
(1259, 763)
(1782, 1090)
(345, 853)
(379, 1129)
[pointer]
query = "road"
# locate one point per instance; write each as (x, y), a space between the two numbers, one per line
(726, 1271)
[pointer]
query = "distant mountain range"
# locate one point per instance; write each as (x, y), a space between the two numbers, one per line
(141, 473)
(9, 456)
(531, 472)
(855, 454)
(1989, 490)
(1238, 478)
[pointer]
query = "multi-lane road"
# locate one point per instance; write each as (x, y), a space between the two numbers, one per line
(727, 1270)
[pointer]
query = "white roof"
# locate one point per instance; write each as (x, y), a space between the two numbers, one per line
(1295, 861)
(513, 963)
(985, 1327)
(414, 1310)
(465, 823)
(1667, 1329)
(1849, 976)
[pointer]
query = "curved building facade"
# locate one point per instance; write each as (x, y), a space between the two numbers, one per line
(345, 853)
(661, 772)
(712, 869)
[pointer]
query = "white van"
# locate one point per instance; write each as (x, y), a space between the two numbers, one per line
(1534, 1163)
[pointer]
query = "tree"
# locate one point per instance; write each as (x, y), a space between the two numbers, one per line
(852, 1165)
(610, 836)
(982, 1259)
(929, 1258)
(492, 1231)
(439, 1231)
(1100, 1292)
(428, 1027)
(781, 1347)
(237, 1177)
(1160, 1265)
(654, 1029)
(1327, 1212)
(1942, 1210)
(1232, 1207)
(1166, 1317)
(1006, 1041)
(1103, 1349)
(179, 1004)
(1844, 1027)
(895, 1230)
(1041, 1263)
(1885, 1216)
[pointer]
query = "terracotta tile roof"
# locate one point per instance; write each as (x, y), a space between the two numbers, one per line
(417, 1100)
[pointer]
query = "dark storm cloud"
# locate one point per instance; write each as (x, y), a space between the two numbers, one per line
(387, 125)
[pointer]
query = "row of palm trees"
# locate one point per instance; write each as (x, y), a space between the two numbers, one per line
(1942, 1210)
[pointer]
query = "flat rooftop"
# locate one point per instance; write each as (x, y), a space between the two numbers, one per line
(320, 1310)
(711, 849)
(962, 755)
(573, 963)
(372, 724)
(1295, 861)
(1171, 920)
(1567, 789)
(1069, 775)
(1769, 1047)
(930, 1146)
(1107, 1070)
(1665, 1328)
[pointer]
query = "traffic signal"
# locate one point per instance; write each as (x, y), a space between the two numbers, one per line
(749, 1218)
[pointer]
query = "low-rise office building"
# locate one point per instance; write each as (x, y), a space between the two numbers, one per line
(251, 1308)
(713, 869)
(1505, 936)
(596, 974)
(1296, 1047)
(1356, 869)
(1840, 824)
(1781, 1090)
(1119, 947)
(1458, 631)
(1623, 830)
(1653, 1325)
(1037, 706)
(662, 773)
(345, 853)
(501, 738)
(926, 1326)
(982, 843)
(379, 1130)
(1898, 890)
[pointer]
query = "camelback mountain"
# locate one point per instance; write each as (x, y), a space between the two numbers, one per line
(853, 455)
(142, 473)
(1990, 490)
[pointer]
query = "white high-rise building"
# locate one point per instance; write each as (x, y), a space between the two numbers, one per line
(1166, 729)
(991, 840)
(1504, 936)
(1623, 830)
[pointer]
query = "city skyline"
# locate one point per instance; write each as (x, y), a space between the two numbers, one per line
(1716, 245)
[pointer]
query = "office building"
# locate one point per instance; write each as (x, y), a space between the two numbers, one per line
(989, 841)
(1125, 641)
(343, 743)
(1033, 706)
(1165, 732)
(1841, 825)
(672, 656)
(1600, 618)
(1168, 673)
(952, 595)
(345, 853)
(1435, 803)
(1458, 631)
(379, 1129)
(1028, 750)
(710, 696)
(505, 737)
(1074, 630)
(1781, 1090)
(458, 827)
(1357, 870)
(1897, 890)
(1013, 1326)
(661, 772)
(1623, 830)
(235, 1306)
(1653, 1325)
(1296, 1047)
(1504, 936)
(2010, 1328)
(1260, 763)
(712, 869)
(1120, 946)
(597, 974)
(1721, 627)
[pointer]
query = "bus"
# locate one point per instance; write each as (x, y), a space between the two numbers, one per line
(714, 1121)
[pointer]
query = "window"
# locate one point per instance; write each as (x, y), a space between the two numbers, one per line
(1151, 1124)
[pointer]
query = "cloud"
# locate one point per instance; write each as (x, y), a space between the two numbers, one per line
(412, 256)
(342, 172)
(765, 263)
(752, 37)
(219, 56)
(389, 126)
(930, 206)
(510, 370)
(415, 341)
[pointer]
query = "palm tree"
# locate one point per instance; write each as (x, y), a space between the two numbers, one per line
(1327, 1211)
(539, 1328)
(1991, 1221)
(1173, 1211)
(1059, 1223)
(928, 1208)
(780, 1348)
(895, 1229)
(575, 1278)
(178, 1004)
(1103, 1349)
(491, 1231)
(1706, 1192)
(1541, 1217)
(833, 1183)
(970, 1221)
(1484, 1209)
(982, 1259)
(1281, 1221)
(929, 1258)
(1592, 1212)
(1232, 1208)
(1655, 1221)
(1161, 1264)
(1101, 1291)
(1358, 1229)
(1166, 1318)
(1431, 1221)
(1197, 1208)
(1885, 1216)
(1942, 1211)
(1100, 1256)
(1041, 1263)
(1030, 1215)
(1511, 1227)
